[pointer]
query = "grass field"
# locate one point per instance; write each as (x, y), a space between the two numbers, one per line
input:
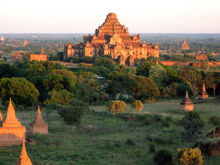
(101, 138)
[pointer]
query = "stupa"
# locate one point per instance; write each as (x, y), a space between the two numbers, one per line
(38, 125)
(185, 46)
(204, 95)
(186, 104)
(12, 132)
(23, 159)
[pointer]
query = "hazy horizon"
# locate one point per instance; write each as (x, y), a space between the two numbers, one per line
(141, 16)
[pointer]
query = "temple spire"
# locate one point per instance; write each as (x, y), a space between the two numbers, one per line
(187, 95)
(23, 159)
(39, 118)
(11, 119)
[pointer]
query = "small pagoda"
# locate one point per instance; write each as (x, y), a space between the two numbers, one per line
(186, 104)
(204, 95)
(38, 125)
(23, 159)
(12, 132)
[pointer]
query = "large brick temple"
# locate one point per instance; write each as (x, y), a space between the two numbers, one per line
(113, 39)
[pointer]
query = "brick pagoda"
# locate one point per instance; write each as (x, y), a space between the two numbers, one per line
(38, 125)
(12, 132)
(186, 104)
(204, 95)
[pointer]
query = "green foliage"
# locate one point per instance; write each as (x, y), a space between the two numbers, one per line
(62, 97)
(7, 70)
(192, 76)
(159, 74)
(143, 69)
(89, 90)
(22, 91)
(151, 147)
(73, 114)
(215, 120)
(104, 61)
(163, 157)
(192, 123)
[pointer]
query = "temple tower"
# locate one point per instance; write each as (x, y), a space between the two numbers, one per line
(186, 104)
(38, 125)
(12, 132)
(23, 159)
(185, 46)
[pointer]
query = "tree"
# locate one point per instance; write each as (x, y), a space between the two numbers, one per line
(192, 76)
(189, 156)
(163, 157)
(215, 120)
(73, 114)
(22, 91)
(144, 68)
(7, 70)
(116, 106)
(104, 61)
(62, 97)
(192, 123)
(159, 74)
(137, 105)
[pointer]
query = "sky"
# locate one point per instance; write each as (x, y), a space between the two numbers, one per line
(84, 16)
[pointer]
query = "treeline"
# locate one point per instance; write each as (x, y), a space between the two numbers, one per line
(51, 83)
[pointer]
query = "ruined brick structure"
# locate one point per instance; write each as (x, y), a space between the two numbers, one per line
(184, 45)
(39, 125)
(11, 132)
(186, 104)
(113, 39)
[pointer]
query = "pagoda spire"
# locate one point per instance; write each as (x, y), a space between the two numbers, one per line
(187, 95)
(23, 159)
(39, 117)
(11, 119)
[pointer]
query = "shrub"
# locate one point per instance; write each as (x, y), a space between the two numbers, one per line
(137, 105)
(116, 106)
(151, 147)
(189, 156)
(163, 157)
(192, 122)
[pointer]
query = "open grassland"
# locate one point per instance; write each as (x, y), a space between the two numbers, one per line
(101, 138)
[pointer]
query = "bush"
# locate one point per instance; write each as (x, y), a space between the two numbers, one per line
(73, 114)
(116, 106)
(163, 157)
(192, 122)
(137, 105)
(189, 156)
(151, 147)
